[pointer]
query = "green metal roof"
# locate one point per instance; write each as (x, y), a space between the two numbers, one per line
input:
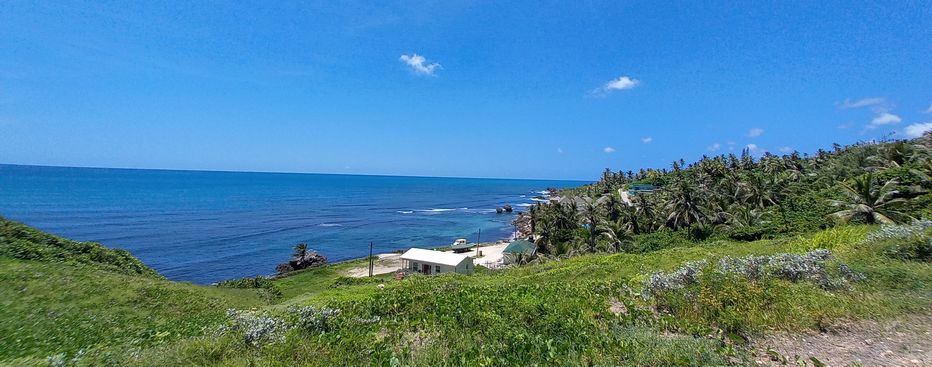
(520, 246)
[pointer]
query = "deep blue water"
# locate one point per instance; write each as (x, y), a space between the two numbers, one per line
(208, 226)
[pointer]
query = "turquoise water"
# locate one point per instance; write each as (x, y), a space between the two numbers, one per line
(208, 226)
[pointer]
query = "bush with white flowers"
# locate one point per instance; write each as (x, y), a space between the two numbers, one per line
(811, 266)
(313, 319)
(900, 231)
(257, 329)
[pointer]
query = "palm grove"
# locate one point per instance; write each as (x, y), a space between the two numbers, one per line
(739, 197)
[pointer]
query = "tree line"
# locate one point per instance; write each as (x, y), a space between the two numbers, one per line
(739, 197)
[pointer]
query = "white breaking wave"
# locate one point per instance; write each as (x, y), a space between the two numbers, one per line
(406, 211)
(330, 225)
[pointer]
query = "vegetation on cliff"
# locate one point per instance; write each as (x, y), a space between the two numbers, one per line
(740, 198)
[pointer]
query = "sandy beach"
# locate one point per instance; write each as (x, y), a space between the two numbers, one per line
(391, 262)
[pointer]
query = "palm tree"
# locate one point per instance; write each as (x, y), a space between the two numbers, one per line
(744, 216)
(865, 199)
(300, 250)
(758, 191)
(644, 217)
(617, 232)
(590, 216)
(924, 172)
(683, 206)
(895, 154)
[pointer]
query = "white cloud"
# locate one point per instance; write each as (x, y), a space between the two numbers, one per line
(928, 110)
(786, 149)
(647, 139)
(754, 149)
(916, 130)
(608, 150)
(863, 102)
(560, 150)
(714, 147)
(755, 132)
(885, 118)
(419, 64)
(622, 83)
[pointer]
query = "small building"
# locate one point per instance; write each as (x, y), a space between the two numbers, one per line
(517, 249)
(637, 188)
(430, 262)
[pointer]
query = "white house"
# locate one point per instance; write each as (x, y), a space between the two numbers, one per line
(432, 262)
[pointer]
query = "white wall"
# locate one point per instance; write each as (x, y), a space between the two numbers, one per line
(466, 267)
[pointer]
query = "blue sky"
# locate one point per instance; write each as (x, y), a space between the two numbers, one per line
(483, 89)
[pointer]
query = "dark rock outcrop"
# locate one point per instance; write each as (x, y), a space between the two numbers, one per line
(309, 260)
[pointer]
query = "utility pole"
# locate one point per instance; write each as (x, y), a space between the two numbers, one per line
(477, 241)
(370, 259)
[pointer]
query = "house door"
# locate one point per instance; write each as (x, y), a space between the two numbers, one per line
(425, 268)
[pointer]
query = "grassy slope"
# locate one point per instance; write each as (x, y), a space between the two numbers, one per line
(892, 287)
(555, 313)
(75, 296)
(22, 242)
(305, 286)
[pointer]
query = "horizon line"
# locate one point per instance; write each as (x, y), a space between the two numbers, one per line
(289, 172)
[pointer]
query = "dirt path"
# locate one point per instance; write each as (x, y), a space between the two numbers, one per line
(387, 263)
(491, 255)
(624, 196)
(903, 342)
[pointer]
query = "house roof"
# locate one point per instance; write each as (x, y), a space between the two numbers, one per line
(434, 257)
(520, 246)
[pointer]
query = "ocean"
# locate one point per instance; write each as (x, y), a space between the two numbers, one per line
(203, 226)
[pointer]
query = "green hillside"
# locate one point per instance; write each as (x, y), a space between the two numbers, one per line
(22, 242)
(710, 290)
(589, 309)
(62, 297)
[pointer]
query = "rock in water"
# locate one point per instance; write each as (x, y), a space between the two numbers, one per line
(310, 260)
(284, 268)
(508, 208)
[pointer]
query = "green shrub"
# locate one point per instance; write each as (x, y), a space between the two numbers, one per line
(746, 234)
(19, 241)
(917, 248)
(349, 281)
(658, 240)
(257, 282)
(838, 239)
